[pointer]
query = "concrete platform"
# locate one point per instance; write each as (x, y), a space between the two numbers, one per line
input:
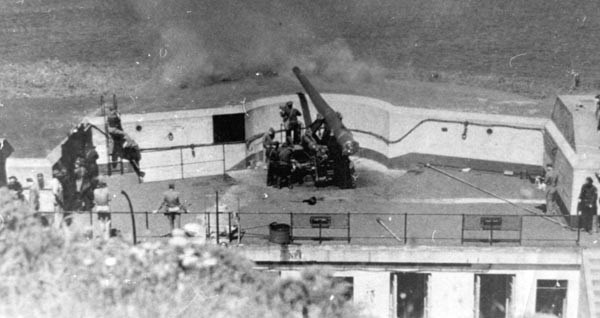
(434, 203)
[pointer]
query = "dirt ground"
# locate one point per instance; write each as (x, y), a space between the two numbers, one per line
(58, 56)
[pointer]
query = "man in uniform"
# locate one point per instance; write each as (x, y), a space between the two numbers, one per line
(268, 143)
(102, 208)
(587, 205)
(290, 122)
(273, 164)
(171, 205)
(551, 179)
(115, 130)
(309, 142)
(91, 161)
(34, 194)
(15, 188)
(284, 165)
(40, 181)
(57, 192)
(131, 152)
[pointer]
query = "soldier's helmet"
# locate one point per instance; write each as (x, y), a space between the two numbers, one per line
(289, 104)
(271, 131)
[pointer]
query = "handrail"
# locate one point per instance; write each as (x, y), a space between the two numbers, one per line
(401, 232)
(411, 130)
(98, 129)
(190, 146)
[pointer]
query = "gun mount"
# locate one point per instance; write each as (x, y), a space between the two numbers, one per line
(342, 135)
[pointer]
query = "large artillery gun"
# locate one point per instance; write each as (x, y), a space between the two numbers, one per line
(327, 143)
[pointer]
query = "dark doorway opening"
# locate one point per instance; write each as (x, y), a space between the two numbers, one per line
(551, 297)
(229, 128)
(494, 295)
(410, 293)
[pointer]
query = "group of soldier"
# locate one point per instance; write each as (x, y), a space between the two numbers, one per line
(279, 156)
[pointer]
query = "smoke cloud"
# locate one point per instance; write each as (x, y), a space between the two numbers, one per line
(208, 41)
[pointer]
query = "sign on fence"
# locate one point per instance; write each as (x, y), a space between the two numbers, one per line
(481, 228)
(321, 226)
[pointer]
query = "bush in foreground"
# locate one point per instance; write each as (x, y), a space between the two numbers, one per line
(46, 273)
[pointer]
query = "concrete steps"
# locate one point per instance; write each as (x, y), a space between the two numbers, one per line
(591, 268)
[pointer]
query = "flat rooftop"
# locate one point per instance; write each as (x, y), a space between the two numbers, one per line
(421, 207)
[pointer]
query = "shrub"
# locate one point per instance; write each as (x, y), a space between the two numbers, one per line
(49, 273)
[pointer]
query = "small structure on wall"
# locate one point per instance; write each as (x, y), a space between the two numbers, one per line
(572, 146)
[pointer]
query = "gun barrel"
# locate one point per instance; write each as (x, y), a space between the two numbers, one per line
(343, 136)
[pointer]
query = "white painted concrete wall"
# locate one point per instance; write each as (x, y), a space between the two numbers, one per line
(503, 145)
(451, 295)
(392, 122)
(24, 168)
(187, 127)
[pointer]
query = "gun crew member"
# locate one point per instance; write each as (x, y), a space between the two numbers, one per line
(551, 179)
(115, 130)
(171, 205)
(102, 208)
(269, 143)
(290, 122)
(131, 152)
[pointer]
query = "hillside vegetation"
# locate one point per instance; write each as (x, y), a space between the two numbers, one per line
(46, 273)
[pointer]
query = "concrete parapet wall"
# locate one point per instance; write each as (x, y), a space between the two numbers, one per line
(24, 168)
(415, 255)
(393, 132)
(451, 281)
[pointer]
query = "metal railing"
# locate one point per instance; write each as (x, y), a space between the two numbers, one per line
(357, 228)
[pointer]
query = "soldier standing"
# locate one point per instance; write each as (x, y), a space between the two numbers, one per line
(269, 143)
(272, 164)
(171, 205)
(551, 179)
(290, 122)
(587, 205)
(91, 162)
(284, 165)
(40, 181)
(15, 188)
(34, 194)
(57, 193)
(115, 130)
(102, 208)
